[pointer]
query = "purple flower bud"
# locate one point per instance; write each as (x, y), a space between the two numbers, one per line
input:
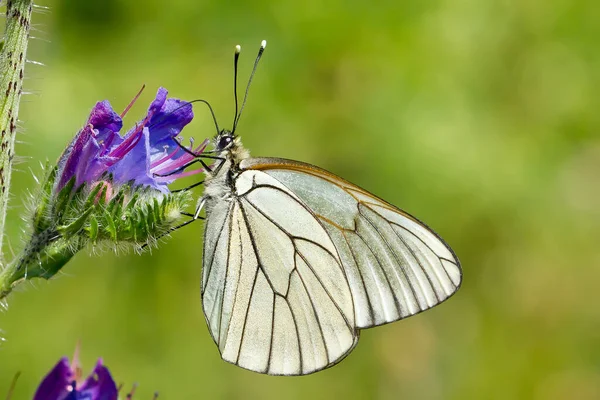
(146, 155)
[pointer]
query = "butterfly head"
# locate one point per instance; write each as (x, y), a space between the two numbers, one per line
(224, 141)
(229, 146)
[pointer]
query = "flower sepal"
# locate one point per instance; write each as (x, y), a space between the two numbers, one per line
(132, 217)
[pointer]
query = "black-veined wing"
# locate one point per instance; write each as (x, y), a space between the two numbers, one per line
(396, 266)
(274, 291)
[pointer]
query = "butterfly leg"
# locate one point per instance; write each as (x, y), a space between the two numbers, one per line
(193, 185)
(199, 207)
(193, 218)
(184, 166)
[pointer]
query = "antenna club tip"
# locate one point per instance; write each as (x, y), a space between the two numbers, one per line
(238, 48)
(263, 44)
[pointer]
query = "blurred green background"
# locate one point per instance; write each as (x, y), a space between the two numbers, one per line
(480, 117)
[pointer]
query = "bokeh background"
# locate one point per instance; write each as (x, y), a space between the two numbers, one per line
(480, 117)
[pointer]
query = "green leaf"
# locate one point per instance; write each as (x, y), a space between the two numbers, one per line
(40, 214)
(74, 227)
(110, 226)
(63, 197)
(116, 205)
(150, 219)
(99, 191)
(156, 209)
(132, 203)
(92, 229)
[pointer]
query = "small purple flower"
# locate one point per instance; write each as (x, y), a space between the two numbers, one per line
(63, 383)
(108, 189)
(146, 155)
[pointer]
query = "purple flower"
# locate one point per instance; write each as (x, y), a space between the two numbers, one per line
(63, 383)
(146, 155)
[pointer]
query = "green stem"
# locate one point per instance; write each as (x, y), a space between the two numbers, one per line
(43, 256)
(12, 65)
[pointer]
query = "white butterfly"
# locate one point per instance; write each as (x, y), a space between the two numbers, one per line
(297, 260)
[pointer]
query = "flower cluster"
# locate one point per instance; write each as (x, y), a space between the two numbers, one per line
(147, 155)
(109, 188)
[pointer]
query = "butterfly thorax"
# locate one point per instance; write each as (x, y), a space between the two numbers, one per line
(237, 152)
(219, 183)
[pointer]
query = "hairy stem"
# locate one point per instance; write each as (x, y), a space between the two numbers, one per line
(12, 65)
(44, 255)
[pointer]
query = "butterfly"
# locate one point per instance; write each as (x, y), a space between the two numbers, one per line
(297, 260)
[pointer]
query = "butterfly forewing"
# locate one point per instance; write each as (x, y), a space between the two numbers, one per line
(275, 292)
(395, 265)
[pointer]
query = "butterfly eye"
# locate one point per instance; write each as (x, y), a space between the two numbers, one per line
(225, 142)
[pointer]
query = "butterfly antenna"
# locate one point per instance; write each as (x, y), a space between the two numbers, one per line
(214, 117)
(236, 58)
(263, 44)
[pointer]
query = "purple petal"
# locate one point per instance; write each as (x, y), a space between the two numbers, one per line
(71, 158)
(55, 384)
(167, 118)
(135, 165)
(104, 119)
(89, 167)
(85, 162)
(99, 385)
(103, 125)
(159, 100)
